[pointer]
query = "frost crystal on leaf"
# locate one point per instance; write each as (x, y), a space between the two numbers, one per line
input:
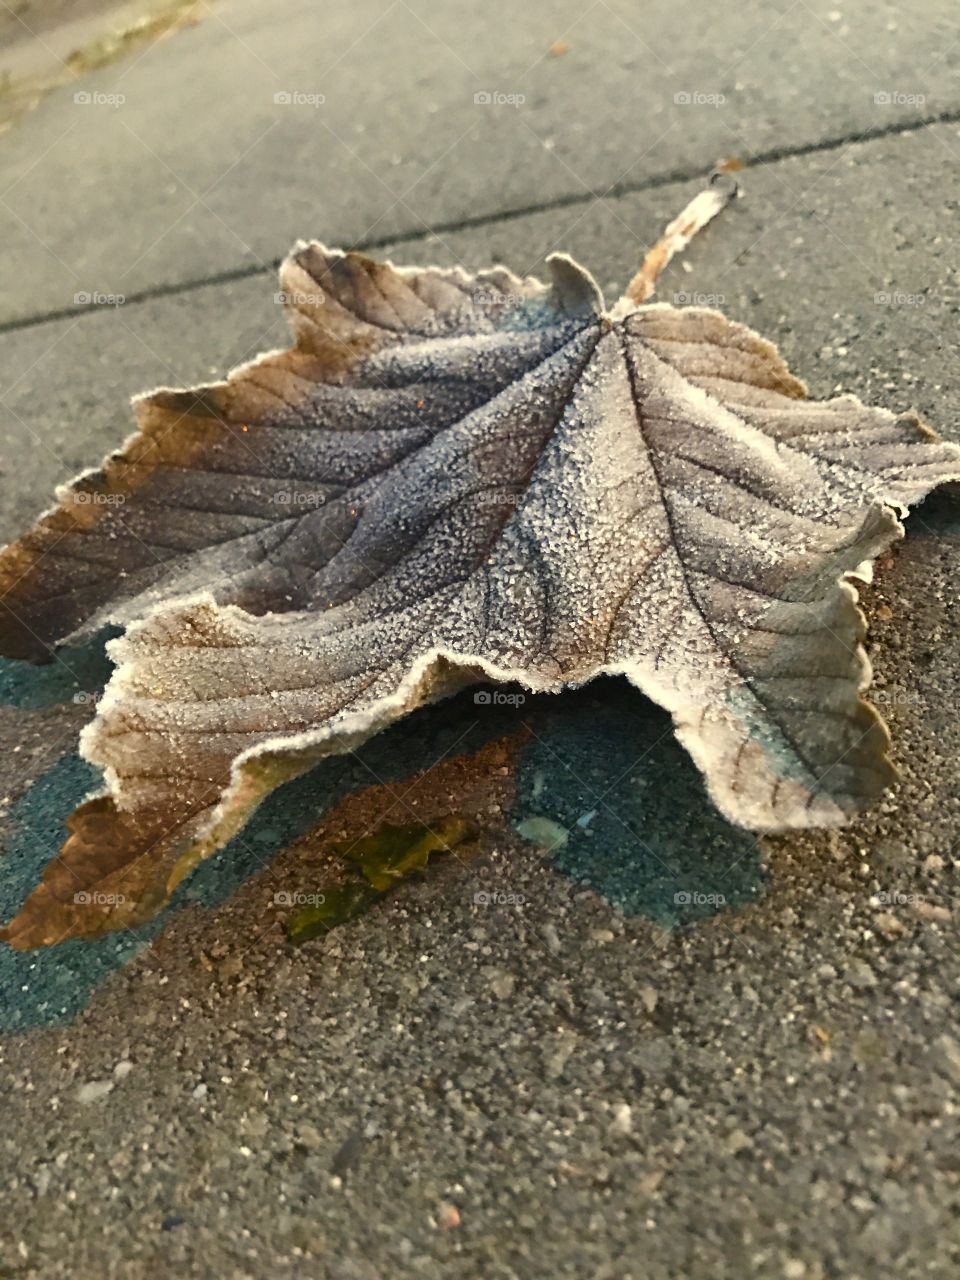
(449, 479)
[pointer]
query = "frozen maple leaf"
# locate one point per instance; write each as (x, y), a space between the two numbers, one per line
(452, 478)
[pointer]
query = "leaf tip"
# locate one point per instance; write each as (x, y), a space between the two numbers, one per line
(574, 289)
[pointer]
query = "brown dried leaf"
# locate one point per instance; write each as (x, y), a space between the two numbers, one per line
(453, 478)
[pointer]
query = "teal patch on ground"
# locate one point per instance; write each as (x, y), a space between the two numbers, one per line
(52, 985)
(77, 674)
(40, 987)
(604, 764)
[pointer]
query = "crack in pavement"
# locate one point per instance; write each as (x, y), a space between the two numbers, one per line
(616, 191)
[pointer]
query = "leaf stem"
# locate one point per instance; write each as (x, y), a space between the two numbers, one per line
(702, 208)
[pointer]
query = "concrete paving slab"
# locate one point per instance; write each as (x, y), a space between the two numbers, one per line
(212, 150)
(66, 393)
(857, 302)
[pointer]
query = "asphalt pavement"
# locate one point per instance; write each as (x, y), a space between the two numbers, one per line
(585, 1080)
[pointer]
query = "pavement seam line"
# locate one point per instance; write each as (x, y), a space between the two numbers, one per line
(761, 159)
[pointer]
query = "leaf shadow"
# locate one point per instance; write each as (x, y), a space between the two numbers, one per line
(655, 833)
(937, 516)
(642, 831)
(47, 986)
(77, 673)
(38, 988)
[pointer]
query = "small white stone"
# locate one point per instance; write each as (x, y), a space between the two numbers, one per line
(502, 984)
(947, 1057)
(543, 831)
(94, 1090)
(649, 998)
(860, 975)
(622, 1122)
